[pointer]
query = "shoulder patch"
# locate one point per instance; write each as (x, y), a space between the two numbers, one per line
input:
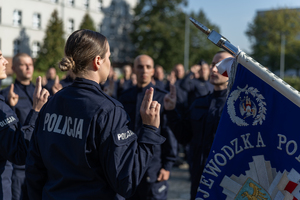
(123, 136)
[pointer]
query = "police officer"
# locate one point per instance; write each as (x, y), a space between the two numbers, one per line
(82, 147)
(125, 82)
(13, 138)
(154, 184)
(23, 90)
(200, 123)
(176, 78)
(195, 84)
(158, 78)
(50, 79)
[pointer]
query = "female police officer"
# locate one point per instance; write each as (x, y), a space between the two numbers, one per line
(82, 147)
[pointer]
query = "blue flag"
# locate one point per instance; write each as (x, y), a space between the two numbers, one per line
(256, 151)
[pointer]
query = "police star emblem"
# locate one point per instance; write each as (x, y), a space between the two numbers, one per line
(250, 104)
(262, 182)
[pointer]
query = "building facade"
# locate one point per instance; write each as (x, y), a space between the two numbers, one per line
(23, 24)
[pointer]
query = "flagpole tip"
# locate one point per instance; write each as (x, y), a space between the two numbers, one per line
(200, 26)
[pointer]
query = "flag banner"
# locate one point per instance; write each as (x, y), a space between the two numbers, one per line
(255, 153)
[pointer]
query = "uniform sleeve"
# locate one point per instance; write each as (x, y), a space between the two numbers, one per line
(187, 83)
(125, 155)
(169, 147)
(14, 139)
(35, 170)
(29, 124)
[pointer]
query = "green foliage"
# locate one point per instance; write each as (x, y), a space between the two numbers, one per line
(158, 31)
(200, 46)
(265, 35)
(293, 81)
(87, 23)
(52, 50)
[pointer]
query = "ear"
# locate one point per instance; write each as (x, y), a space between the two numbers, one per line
(97, 62)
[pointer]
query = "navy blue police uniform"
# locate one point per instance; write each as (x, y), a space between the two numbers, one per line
(195, 87)
(66, 81)
(198, 127)
(82, 147)
(22, 108)
(122, 87)
(14, 141)
(24, 105)
(181, 95)
(165, 154)
(160, 84)
(50, 83)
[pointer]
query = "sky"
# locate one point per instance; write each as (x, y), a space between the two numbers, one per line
(234, 16)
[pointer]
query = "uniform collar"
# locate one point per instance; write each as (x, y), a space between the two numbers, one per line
(2, 97)
(21, 85)
(83, 81)
(143, 90)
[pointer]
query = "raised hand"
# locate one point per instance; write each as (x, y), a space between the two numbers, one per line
(44, 81)
(13, 98)
(170, 99)
(40, 96)
(172, 78)
(150, 110)
(56, 86)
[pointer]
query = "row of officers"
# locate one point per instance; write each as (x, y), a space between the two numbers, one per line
(92, 137)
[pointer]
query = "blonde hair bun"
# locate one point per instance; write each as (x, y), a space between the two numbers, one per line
(66, 64)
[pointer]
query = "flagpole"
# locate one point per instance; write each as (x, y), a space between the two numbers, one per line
(252, 65)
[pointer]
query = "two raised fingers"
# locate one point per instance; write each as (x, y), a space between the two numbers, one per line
(146, 103)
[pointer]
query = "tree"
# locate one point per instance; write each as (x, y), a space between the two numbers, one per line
(159, 31)
(52, 49)
(200, 46)
(87, 23)
(265, 35)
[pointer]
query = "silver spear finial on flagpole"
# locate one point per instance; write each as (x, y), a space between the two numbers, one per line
(216, 38)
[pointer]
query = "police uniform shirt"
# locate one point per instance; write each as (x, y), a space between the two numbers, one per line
(48, 86)
(67, 81)
(82, 147)
(165, 155)
(24, 105)
(198, 127)
(14, 141)
(195, 87)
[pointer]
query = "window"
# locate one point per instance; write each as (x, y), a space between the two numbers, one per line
(112, 6)
(16, 46)
(100, 4)
(17, 18)
(71, 2)
(54, 1)
(86, 4)
(36, 21)
(112, 29)
(70, 25)
(35, 49)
